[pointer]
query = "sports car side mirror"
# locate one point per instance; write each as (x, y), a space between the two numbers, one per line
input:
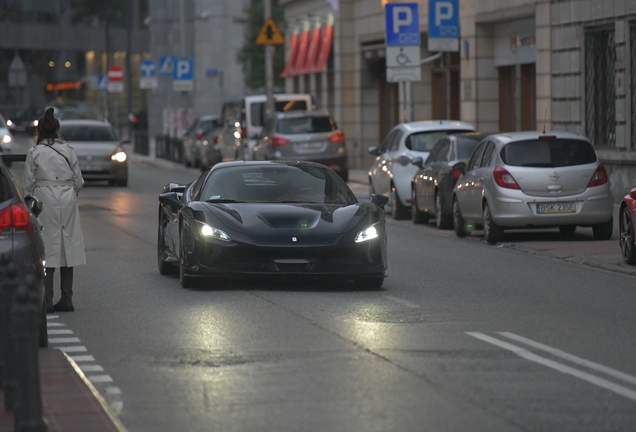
(34, 204)
(373, 150)
(379, 200)
(417, 161)
(171, 199)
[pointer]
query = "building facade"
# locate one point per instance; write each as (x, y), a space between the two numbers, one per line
(53, 51)
(521, 65)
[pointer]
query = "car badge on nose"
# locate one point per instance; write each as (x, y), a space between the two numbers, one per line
(554, 177)
(89, 158)
(294, 239)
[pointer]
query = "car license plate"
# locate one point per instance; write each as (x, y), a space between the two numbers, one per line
(554, 208)
(316, 145)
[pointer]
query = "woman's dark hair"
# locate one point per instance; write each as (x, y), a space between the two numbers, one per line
(48, 127)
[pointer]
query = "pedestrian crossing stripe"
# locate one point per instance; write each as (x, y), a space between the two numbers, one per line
(269, 34)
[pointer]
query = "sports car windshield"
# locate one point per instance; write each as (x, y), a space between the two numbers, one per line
(276, 183)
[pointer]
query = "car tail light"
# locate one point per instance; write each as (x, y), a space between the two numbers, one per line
(215, 139)
(17, 217)
(504, 179)
(198, 135)
(279, 141)
(456, 174)
(599, 177)
(243, 132)
(338, 137)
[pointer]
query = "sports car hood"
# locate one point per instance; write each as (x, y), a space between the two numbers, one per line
(273, 219)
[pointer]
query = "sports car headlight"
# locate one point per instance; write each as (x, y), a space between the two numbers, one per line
(120, 156)
(368, 234)
(6, 139)
(215, 233)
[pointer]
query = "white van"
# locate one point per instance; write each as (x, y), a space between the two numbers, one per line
(244, 121)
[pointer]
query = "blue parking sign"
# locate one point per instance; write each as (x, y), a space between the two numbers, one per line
(183, 69)
(443, 18)
(402, 24)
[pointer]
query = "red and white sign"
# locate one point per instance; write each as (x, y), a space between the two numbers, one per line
(115, 74)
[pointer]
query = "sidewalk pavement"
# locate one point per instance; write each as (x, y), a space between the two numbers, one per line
(71, 403)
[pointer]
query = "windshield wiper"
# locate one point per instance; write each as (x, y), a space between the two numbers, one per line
(220, 200)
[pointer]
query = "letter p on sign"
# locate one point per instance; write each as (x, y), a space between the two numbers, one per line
(443, 11)
(402, 17)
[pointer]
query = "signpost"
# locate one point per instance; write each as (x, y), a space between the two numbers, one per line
(183, 75)
(443, 25)
(148, 70)
(269, 36)
(115, 80)
(402, 42)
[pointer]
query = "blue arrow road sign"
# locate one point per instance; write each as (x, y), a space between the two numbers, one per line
(183, 69)
(148, 68)
(102, 82)
(402, 24)
(166, 65)
(443, 18)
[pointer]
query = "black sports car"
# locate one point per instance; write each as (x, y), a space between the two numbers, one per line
(271, 218)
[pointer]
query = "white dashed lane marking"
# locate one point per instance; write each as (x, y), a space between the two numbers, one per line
(86, 362)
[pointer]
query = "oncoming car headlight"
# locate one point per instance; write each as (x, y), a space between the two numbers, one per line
(367, 234)
(120, 156)
(6, 139)
(215, 233)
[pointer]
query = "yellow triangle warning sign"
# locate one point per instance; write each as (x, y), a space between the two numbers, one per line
(269, 34)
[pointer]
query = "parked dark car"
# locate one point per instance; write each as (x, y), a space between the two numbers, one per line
(20, 237)
(270, 218)
(626, 227)
(432, 186)
(209, 150)
(193, 139)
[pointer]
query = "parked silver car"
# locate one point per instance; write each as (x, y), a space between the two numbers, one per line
(533, 180)
(391, 172)
(304, 135)
(99, 151)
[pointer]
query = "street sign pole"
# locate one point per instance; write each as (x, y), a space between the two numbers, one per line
(269, 65)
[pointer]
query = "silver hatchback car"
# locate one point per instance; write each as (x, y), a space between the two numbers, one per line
(531, 180)
(304, 135)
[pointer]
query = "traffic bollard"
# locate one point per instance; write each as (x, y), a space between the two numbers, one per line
(24, 318)
(10, 381)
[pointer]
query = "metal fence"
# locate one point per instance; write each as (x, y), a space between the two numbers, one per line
(600, 92)
(169, 148)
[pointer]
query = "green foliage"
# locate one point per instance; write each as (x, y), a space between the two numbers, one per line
(252, 56)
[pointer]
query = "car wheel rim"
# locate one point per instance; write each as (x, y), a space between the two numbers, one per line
(627, 240)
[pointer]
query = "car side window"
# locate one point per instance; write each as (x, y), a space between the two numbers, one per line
(475, 159)
(434, 155)
(386, 144)
(195, 192)
(395, 143)
(442, 153)
(488, 152)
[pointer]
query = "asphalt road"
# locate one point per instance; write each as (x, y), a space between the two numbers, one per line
(463, 336)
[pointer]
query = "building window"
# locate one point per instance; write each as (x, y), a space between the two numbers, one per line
(600, 92)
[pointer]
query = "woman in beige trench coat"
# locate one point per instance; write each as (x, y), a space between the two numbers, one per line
(53, 175)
